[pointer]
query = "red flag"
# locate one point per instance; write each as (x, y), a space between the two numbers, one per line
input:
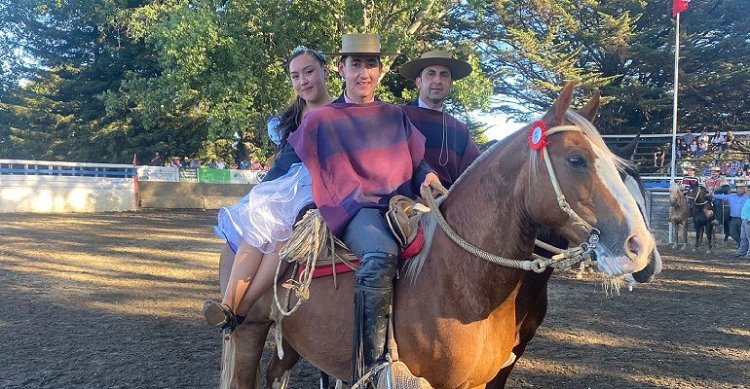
(679, 6)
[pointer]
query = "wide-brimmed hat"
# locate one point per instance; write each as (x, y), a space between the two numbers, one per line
(740, 184)
(459, 68)
(361, 44)
(715, 169)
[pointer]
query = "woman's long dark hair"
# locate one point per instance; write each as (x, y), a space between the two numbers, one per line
(291, 118)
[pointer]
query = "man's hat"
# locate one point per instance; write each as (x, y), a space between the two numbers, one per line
(689, 167)
(740, 184)
(715, 169)
(459, 68)
(360, 44)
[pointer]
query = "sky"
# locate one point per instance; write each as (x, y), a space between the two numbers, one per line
(498, 125)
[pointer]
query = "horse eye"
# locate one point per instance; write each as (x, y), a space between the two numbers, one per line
(577, 161)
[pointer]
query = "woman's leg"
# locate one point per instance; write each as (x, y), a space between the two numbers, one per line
(262, 282)
(246, 263)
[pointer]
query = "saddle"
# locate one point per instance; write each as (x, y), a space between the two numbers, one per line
(403, 218)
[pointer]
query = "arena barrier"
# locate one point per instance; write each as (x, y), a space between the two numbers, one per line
(49, 186)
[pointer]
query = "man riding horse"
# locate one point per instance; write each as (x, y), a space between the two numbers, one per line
(360, 154)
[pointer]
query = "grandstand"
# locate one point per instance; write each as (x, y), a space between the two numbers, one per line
(658, 176)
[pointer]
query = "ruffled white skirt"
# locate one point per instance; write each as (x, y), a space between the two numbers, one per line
(265, 217)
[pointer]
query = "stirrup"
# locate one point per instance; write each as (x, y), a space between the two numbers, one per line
(221, 316)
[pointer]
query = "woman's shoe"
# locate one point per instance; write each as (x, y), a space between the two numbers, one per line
(220, 316)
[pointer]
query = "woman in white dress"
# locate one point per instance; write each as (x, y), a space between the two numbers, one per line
(257, 226)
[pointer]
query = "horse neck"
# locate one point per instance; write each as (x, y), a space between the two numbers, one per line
(483, 207)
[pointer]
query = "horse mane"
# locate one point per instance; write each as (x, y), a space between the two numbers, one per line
(676, 195)
(596, 140)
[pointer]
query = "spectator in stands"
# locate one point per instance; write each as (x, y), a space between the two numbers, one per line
(220, 164)
(233, 165)
(156, 160)
(255, 165)
(718, 141)
(746, 165)
(175, 162)
(702, 148)
(185, 162)
(659, 156)
(730, 139)
(735, 167)
(195, 163)
(680, 149)
(694, 148)
(212, 164)
(688, 138)
(724, 168)
(244, 164)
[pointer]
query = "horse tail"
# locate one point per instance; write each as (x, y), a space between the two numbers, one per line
(227, 361)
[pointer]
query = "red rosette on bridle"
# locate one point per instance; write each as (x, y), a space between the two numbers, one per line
(538, 135)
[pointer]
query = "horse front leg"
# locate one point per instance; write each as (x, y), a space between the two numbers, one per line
(684, 226)
(241, 356)
(279, 370)
(698, 235)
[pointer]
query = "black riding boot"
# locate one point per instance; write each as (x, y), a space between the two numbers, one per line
(371, 307)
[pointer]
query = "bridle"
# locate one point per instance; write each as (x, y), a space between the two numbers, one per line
(563, 258)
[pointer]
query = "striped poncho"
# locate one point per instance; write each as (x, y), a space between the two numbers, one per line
(460, 150)
(359, 156)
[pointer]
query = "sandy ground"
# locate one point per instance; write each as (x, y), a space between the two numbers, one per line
(113, 301)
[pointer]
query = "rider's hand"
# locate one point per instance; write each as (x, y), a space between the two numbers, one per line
(430, 181)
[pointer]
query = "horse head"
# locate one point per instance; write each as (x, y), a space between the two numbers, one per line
(676, 196)
(577, 189)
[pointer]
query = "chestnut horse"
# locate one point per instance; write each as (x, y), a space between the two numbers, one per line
(456, 322)
(679, 214)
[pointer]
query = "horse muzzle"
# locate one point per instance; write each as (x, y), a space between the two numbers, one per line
(624, 257)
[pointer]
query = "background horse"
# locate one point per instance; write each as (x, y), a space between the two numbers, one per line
(456, 322)
(679, 213)
(701, 210)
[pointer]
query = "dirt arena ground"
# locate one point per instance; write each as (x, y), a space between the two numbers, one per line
(113, 301)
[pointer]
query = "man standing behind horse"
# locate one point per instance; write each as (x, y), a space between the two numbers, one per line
(736, 202)
(449, 149)
(717, 184)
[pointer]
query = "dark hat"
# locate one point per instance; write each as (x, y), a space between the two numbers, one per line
(459, 68)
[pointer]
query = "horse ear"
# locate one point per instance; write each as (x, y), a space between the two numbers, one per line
(556, 113)
(591, 108)
(627, 151)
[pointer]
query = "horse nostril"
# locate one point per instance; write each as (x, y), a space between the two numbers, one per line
(633, 247)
